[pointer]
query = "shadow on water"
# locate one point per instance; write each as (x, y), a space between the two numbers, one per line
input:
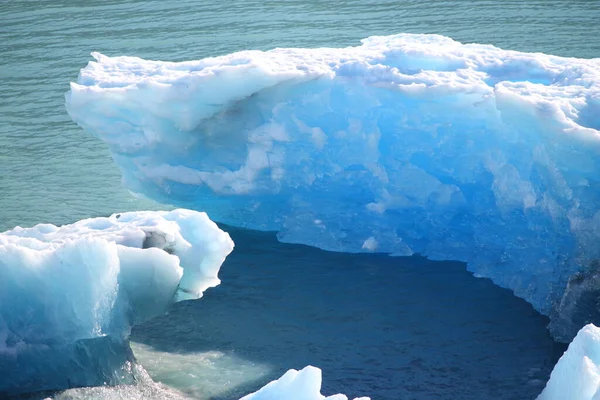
(387, 327)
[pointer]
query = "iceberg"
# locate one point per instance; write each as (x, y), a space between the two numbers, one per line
(69, 295)
(405, 144)
(296, 385)
(576, 376)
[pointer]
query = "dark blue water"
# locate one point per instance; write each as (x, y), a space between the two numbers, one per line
(391, 328)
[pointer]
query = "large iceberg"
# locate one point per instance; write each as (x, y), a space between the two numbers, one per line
(576, 376)
(405, 144)
(69, 295)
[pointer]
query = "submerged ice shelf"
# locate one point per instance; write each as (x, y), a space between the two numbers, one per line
(69, 295)
(405, 144)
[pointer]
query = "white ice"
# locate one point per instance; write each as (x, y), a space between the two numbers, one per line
(296, 385)
(576, 376)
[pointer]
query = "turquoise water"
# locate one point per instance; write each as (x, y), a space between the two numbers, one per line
(491, 346)
(50, 170)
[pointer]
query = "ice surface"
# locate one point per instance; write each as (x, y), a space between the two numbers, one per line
(69, 295)
(405, 144)
(296, 385)
(576, 376)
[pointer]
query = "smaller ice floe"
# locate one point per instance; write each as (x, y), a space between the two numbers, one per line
(576, 376)
(296, 385)
(69, 295)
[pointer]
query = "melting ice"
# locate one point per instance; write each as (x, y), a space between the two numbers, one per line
(69, 295)
(576, 376)
(405, 144)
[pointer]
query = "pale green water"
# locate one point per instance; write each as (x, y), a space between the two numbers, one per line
(52, 171)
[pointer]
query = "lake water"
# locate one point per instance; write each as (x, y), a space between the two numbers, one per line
(392, 328)
(50, 170)
(376, 325)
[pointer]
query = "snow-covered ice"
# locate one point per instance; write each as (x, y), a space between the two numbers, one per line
(405, 144)
(296, 385)
(576, 376)
(293, 385)
(69, 295)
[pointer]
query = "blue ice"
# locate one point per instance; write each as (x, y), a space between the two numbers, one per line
(405, 144)
(69, 295)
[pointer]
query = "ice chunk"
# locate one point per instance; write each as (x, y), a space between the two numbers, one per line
(296, 385)
(69, 295)
(405, 144)
(576, 376)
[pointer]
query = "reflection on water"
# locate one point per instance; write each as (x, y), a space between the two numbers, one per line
(391, 328)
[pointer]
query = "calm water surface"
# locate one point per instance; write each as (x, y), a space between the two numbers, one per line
(391, 328)
(51, 171)
(376, 325)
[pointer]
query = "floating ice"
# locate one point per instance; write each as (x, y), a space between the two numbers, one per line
(576, 376)
(296, 385)
(69, 295)
(405, 144)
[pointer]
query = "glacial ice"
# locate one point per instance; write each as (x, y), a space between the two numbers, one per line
(69, 295)
(576, 376)
(296, 385)
(405, 144)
